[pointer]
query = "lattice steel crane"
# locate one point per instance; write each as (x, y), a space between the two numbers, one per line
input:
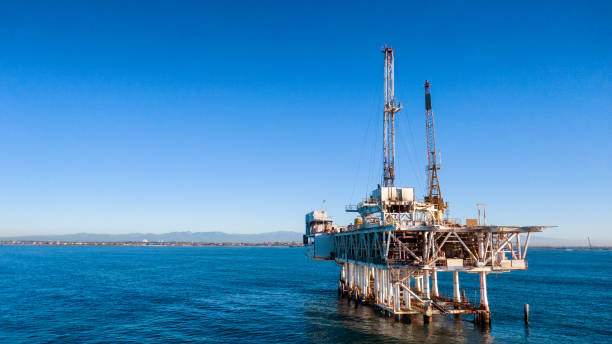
(434, 196)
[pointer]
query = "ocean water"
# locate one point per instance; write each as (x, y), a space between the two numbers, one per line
(274, 295)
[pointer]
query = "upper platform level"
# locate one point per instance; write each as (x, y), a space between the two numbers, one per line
(385, 198)
(410, 244)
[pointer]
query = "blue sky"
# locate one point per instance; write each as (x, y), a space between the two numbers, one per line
(123, 117)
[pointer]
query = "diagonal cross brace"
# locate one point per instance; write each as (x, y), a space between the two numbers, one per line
(501, 247)
(403, 246)
(465, 246)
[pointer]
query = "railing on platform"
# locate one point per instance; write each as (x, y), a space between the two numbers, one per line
(350, 207)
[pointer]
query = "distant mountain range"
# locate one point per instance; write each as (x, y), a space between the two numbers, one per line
(203, 237)
(538, 241)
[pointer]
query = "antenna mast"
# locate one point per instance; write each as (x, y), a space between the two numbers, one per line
(389, 120)
(435, 196)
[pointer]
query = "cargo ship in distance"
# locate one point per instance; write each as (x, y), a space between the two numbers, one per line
(392, 253)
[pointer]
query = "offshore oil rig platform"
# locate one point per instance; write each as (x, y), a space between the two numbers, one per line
(390, 256)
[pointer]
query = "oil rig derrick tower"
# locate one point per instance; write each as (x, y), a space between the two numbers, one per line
(390, 109)
(390, 256)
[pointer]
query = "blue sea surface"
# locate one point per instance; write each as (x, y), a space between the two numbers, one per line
(274, 295)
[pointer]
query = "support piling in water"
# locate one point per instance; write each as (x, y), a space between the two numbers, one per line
(456, 296)
(484, 316)
(434, 282)
(428, 315)
(389, 290)
(526, 314)
(484, 300)
(426, 283)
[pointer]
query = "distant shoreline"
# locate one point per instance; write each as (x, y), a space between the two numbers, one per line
(227, 244)
(146, 244)
(579, 248)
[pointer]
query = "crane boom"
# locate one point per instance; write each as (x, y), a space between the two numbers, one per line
(434, 194)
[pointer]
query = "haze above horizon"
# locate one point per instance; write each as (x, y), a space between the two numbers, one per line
(241, 117)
